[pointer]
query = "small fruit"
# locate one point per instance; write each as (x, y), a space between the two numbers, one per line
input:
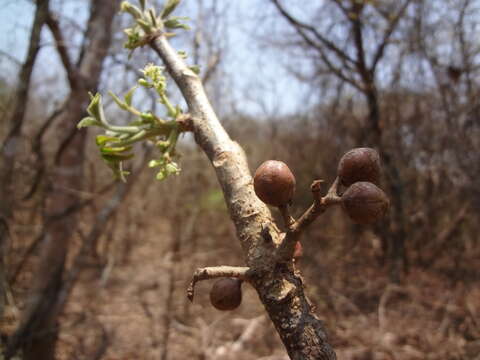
(298, 252)
(365, 202)
(359, 164)
(226, 294)
(274, 183)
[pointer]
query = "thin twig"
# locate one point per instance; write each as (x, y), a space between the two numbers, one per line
(320, 204)
(207, 273)
(288, 220)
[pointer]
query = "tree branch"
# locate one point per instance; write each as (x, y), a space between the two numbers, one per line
(279, 288)
(344, 57)
(208, 273)
(319, 206)
(387, 35)
(226, 156)
(354, 18)
(10, 146)
(300, 25)
(40, 314)
(62, 49)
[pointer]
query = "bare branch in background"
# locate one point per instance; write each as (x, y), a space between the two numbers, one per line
(62, 50)
(11, 143)
(41, 314)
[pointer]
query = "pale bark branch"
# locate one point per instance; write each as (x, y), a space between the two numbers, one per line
(226, 156)
(279, 288)
(215, 272)
(249, 333)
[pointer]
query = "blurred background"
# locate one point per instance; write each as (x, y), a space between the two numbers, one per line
(91, 268)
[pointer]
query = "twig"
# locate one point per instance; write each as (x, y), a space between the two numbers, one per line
(320, 204)
(248, 334)
(382, 305)
(72, 72)
(288, 220)
(216, 272)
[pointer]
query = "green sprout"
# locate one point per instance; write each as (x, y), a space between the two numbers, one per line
(148, 24)
(116, 144)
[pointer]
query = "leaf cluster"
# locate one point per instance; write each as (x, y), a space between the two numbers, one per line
(116, 143)
(148, 23)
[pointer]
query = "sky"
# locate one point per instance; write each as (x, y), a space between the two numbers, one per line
(260, 83)
(15, 22)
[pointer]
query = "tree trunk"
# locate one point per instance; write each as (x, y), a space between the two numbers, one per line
(38, 328)
(394, 228)
(10, 144)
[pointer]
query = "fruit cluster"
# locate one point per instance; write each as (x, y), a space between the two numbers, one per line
(364, 202)
(358, 171)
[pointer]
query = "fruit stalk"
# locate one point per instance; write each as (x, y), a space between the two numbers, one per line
(215, 272)
(320, 204)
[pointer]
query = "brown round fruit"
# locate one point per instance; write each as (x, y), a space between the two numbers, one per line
(359, 164)
(274, 183)
(226, 294)
(365, 202)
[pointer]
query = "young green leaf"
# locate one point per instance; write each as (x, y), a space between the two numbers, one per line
(131, 9)
(145, 25)
(147, 117)
(117, 157)
(103, 139)
(172, 169)
(93, 108)
(144, 83)
(195, 69)
(128, 96)
(119, 102)
(114, 150)
(88, 121)
(153, 17)
(175, 24)
(160, 175)
(169, 8)
(155, 163)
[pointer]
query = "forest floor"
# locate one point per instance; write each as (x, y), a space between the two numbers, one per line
(135, 307)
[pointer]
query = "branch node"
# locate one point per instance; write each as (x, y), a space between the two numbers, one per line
(316, 186)
(288, 220)
(320, 204)
(185, 122)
